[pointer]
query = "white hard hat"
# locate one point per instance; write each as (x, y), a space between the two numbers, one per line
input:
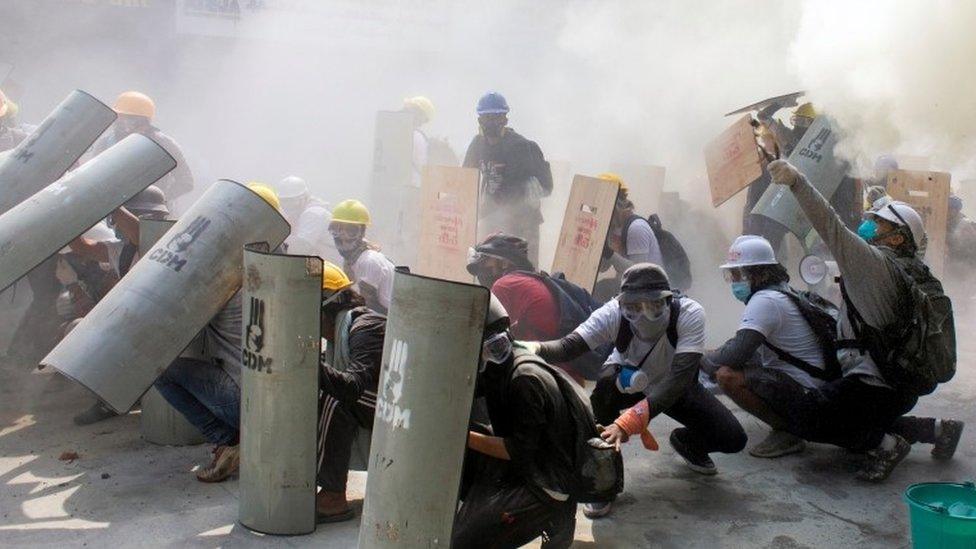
(749, 250)
(901, 214)
(292, 187)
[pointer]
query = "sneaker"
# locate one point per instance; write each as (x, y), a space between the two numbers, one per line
(778, 444)
(226, 460)
(697, 461)
(97, 412)
(948, 439)
(880, 463)
(596, 510)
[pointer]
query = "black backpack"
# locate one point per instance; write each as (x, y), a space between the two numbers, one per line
(676, 261)
(575, 306)
(821, 315)
(598, 469)
(918, 351)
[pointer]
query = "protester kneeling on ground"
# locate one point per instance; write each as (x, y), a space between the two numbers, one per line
(658, 338)
(777, 359)
(349, 373)
(518, 473)
(896, 331)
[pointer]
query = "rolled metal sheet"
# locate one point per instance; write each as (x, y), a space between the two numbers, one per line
(153, 313)
(814, 157)
(52, 148)
(159, 422)
(279, 393)
(38, 227)
(430, 362)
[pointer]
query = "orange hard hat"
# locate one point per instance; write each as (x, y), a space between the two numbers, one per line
(136, 104)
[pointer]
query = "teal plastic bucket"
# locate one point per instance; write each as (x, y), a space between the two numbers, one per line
(943, 515)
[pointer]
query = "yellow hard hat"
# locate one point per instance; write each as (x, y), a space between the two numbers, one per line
(615, 178)
(333, 278)
(136, 104)
(805, 110)
(351, 211)
(4, 104)
(422, 104)
(265, 192)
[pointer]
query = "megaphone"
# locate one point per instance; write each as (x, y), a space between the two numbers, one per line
(814, 269)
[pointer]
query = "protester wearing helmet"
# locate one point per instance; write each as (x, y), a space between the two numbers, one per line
(884, 284)
(309, 218)
(775, 359)
(522, 466)
(369, 269)
(630, 240)
(658, 338)
(422, 110)
(960, 265)
(515, 175)
(349, 374)
(11, 133)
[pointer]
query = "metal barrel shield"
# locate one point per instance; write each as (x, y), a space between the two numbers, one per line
(159, 422)
(134, 333)
(52, 148)
(430, 362)
(78, 201)
(814, 157)
(279, 396)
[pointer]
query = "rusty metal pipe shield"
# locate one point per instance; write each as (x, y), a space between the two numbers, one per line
(430, 362)
(52, 148)
(279, 393)
(132, 335)
(38, 227)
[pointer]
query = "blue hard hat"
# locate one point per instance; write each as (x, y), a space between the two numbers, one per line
(492, 103)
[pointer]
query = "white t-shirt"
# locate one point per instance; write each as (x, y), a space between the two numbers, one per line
(374, 269)
(310, 232)
(604, 323)
(778, 319)
(642, 246)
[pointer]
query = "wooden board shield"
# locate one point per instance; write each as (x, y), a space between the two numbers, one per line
(448, 222)
(394, 200)
(645, 183)
(584, 229)
(928, 193)
(732, 161)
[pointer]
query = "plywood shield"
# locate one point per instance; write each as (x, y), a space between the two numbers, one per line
(448, 222)
(732, 160)
(279, 396)
(52, 148)
(814, 157)
(584, 230)
(135, 332)
(928, 193)
(394, 194)
(430, 361)
(77, 201)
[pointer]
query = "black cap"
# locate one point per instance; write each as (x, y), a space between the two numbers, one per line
(644, 282)
(503, 246)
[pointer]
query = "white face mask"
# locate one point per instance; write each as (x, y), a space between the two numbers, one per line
(650, 329)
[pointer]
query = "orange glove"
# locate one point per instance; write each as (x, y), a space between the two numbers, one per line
(634, 422)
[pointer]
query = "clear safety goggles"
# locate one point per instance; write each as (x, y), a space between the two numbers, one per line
(496, 348)
(649, 309)
(344, 230)
(734, 274)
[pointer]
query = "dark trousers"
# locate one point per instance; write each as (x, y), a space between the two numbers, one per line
(498, 513)
(339, 424)
(711, 426)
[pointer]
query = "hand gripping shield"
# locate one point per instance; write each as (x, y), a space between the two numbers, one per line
(52, 148)
(153, 313)
(77, 201)
(430, 362)
(279, 395)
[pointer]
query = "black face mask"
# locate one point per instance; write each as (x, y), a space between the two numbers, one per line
(492, 128)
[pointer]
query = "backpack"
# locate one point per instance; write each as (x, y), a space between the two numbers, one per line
(625, 333)
(675, 258)
(598, 469)
(918, 351)
(821, 315)
(575, 306)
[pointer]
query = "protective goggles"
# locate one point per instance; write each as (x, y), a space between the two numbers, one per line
(496, 348)
(734, 274)
(344, 230)
(649, 309)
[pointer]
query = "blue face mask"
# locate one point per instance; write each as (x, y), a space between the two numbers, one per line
(741, 291)
(868, 230)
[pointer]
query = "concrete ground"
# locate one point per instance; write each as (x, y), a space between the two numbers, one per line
(123, 492)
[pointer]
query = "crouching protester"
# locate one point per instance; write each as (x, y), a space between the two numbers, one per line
(896, 330)
(782, 352)
(518, 479)
(658, 338)
(349, 374)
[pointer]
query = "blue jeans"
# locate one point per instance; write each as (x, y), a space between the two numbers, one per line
(206, 396)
